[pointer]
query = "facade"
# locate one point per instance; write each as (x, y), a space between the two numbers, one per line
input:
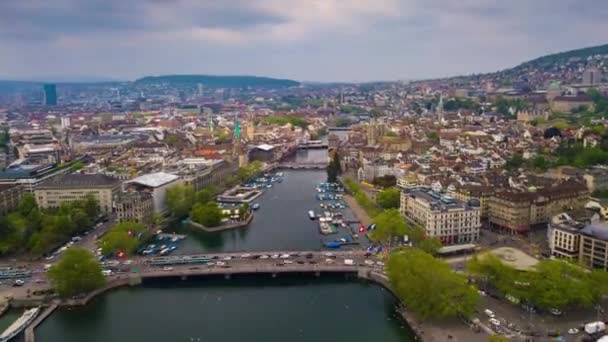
(570, 102)
(135, 207)
(592, 76)
(564, 237)
(156, 184)
(594, 245)
(369, 171)
(10, 196)
(264, 152)
(480, 193)
(74, 187)
(519, 211)
(451, 220)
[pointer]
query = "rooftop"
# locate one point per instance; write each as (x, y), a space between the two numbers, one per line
(155, 180)
(79, 181)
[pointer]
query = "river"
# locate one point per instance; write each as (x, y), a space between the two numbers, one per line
(244, 308)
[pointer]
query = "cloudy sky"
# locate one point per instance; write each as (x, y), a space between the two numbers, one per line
(312, 40)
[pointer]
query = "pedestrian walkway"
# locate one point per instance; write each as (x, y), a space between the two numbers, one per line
(359, 212)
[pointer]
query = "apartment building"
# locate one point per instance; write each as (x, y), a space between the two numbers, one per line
(477, 192)
(518, 211)
(451, 220)
(73, 187)
(10, 196)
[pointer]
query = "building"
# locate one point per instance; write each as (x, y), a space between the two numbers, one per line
(568, 103)
(451, 220)
(518, 211)
(563, 235)
(592, 76)
(477, 192)
(370, 171)
(50, 94)
(156, 184)
(264, 152)
(530, 115)
(135, 207)
(594, 245)
(74, 187)
(10, 196)
(30, 175)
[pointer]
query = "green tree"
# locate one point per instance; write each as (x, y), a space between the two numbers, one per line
(334, 169)
(180, 199)
(389, 198)
(77, 272)
(516, 161)
(428, 287)
(498, 338)
(208, 214)
(429, 245)
(205, 195)
(389, 224)
(343, 122)
(27, 204)
(123, 237)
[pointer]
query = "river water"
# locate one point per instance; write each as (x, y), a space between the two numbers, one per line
(244, 308)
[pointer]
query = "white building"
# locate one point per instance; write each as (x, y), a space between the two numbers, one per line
(451, 220)
(157, 184)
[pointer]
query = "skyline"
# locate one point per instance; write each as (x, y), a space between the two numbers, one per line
(316, 41)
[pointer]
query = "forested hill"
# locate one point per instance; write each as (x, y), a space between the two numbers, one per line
(221, 81)
(563, 57)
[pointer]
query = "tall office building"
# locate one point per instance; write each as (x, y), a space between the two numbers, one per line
(592, 76)
(50, 94)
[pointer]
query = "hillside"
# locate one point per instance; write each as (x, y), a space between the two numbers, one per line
(564, 57)
(221, 81)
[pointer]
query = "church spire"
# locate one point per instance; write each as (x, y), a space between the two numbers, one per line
(211, 125)
(237, 127)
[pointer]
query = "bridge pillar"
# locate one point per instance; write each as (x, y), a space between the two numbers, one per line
(184, 277)
(227, 276)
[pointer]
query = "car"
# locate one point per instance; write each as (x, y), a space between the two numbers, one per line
(211, 263)
(220, 263)
(308, 256)
(329, 261)
(300, 262)
(274, 256)
(379, 263)
(194, 268)
(228, 258)
(287, 262)
(481, 292)
(167, 268)
(572, 331)
(264, 256)
(312, 262)
(328, 254)
(106, 273)
(284, 256)
(245, 256)
(18, 282)
(555, 312)
(494, 321)
(369, 263)
(489, 312)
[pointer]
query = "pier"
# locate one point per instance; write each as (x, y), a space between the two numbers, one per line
(302, 166)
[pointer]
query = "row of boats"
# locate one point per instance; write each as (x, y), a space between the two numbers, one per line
(19, 324)
(265, 181)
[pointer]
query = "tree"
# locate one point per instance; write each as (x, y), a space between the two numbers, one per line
(498, 338)
(386, 181)
(334, 169)
(428, 287)
(430, 245)
(27, 204)
(180, 199)
(208, 214)
(77, 272)
(389, 198)
(389, 224)
(203, 196)
(515, 162)
(123, 237)
(343, 122)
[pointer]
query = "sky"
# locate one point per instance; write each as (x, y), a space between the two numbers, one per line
(306, 40)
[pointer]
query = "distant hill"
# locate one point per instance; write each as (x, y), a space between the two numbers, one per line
(562, 57)
(221, 81)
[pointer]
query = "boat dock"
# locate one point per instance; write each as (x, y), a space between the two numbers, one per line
(29, 331)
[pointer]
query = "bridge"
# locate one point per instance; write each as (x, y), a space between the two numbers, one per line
(339, 129)
(302, 166)
(312, 145)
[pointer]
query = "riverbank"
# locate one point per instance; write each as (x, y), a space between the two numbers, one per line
(226, 226)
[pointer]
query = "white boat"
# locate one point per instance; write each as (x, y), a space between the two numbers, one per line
(311, 214)
(20, 324)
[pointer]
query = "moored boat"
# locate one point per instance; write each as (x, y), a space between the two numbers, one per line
(311, 214)
(20, 324)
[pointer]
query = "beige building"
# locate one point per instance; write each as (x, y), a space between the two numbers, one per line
(134, 207)
(594, 245)
(518, 211)
(451, 220)
(478, 192)
(73, 187)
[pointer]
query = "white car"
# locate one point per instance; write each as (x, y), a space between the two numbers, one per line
(275, 256)
(379, 263)
(167, 268)
(328, 254)
(287, 262)
(329, 261)
(284, 256)
(489, 312)
(228, 258)
(369, 262)
(264, 256)
(219, 263)
(245, 256)
(494, 321)
(572, 331)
